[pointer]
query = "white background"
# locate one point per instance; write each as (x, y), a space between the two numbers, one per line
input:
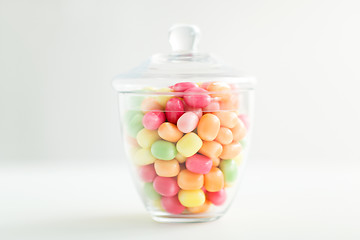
(57, 59)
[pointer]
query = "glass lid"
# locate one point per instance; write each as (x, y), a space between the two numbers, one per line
(183, 64)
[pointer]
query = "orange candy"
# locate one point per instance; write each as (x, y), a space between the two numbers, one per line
(222, 90)
(169, 132)
(208, 127)
(231, 105)
(214, 180)
(190, 181)
(239, 130)
(227, 119)
(216, 161)
(167, 168)
(224, 136)
(150, 104)
(231, 150)
(203, 208)
(211, 149)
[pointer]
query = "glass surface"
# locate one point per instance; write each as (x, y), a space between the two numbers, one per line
(186, 121)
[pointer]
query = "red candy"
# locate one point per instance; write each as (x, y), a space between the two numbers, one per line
(174, 109)
(172, 205)
(147, 173)
(166, 186)
(217, 198)
(153, 119)
(197, 100)
(181, 87)
(198, 164)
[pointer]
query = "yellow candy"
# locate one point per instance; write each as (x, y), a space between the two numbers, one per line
(191, 198)
(149, 89)
(157, 204)
(228, 184)
(145, 137)
(162, 99)
(180, 158)
(203, 208)
(133, 150)
(143, 157)
(189, 144)
(239, 159)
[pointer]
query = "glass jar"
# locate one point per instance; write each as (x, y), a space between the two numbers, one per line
(185, 121)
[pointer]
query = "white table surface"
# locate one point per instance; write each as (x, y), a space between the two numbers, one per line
(67, 201)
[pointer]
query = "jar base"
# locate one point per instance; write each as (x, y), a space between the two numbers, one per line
(184, 218)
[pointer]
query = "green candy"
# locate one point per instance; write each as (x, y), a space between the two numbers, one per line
(133, 122)
(150, 192)
(230, 170)
(129, 115)
(163, 150)
(243, 143)
(134, 101)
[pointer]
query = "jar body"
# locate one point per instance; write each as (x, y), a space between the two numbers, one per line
(187, 149)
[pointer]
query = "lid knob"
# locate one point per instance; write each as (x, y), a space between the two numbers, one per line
(184, 38)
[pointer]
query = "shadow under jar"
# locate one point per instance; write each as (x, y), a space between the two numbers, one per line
(185, 121)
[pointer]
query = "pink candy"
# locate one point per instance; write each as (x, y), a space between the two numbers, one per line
(198, 164)
(153, 119)
(174, 109)
(197, 100)
(147, 173)
(214, 106)
(187, 122)
(217, 198)
(197, 111)
(204, 85)
(181, 87)
(166, 186)
(245, 119)
(172, 205)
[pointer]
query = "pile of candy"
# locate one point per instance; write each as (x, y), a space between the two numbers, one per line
(188, 145)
